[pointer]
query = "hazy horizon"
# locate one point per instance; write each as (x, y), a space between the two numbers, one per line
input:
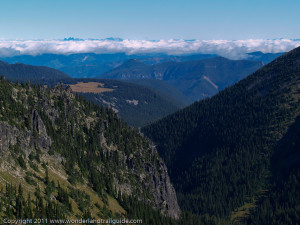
(233, 49)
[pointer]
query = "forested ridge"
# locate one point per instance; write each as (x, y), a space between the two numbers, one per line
(64, 157)
(220, 152)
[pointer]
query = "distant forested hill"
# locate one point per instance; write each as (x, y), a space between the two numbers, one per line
(36, 74)
(235, 157)
(264, 57)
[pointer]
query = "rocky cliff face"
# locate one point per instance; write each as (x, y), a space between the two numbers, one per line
(155, 182)
(88, 144)
(163, 192)
(36, 137)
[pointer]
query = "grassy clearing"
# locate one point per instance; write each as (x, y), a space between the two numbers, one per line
(7, 177)
(90, 87)
(244, 211)
(115, 206)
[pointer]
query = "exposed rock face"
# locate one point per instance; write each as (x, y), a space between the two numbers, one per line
(39, 130)
(155, 180)
(26, 139)
(163, 192)
(10, 135)
(152, 176)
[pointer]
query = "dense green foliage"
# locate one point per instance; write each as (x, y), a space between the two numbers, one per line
(17, 206)
(219, 151)
(163, 87)
(282, 205)
(138, 209)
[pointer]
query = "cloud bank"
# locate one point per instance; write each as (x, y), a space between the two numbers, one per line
(233, 49)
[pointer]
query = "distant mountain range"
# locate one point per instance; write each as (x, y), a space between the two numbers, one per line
(86, 65)
(196, 79)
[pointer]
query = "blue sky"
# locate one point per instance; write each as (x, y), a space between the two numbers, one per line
(151, 19)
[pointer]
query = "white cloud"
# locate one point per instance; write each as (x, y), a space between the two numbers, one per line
(235, 49)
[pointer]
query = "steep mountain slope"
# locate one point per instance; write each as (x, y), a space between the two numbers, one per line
(195, 79)
(282, 205)
(219, 150)
(21, 72)
(164, 87)
(76, 160)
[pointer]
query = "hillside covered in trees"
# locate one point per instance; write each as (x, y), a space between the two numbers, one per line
(64, 157)
(234, 158)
